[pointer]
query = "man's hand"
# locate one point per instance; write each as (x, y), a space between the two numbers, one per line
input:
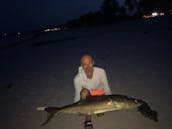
(100, 114)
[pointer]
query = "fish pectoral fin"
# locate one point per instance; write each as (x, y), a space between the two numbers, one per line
(49, 117)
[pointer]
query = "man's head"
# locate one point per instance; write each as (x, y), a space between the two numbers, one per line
(87, 62)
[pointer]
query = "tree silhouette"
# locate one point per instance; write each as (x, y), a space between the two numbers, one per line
(147, 6)
(110, 8)
(129, 5)
(132, 6)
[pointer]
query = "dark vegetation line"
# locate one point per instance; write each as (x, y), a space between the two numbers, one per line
(110, 11)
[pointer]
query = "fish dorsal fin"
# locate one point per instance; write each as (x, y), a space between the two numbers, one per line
(94, 99)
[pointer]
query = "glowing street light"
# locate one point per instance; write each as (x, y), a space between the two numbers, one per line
(154, 14)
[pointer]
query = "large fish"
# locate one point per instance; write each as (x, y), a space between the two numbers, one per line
(102, 104)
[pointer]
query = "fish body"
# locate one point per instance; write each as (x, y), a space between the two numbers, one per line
(102, 104)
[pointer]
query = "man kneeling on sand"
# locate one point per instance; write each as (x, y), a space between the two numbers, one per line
(90, 80)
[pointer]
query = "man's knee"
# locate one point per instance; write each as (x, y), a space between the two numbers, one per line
(84, 93)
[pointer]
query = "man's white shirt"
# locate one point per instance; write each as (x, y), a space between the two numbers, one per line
(98, 82)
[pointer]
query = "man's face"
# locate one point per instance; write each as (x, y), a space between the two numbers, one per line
(87, 63)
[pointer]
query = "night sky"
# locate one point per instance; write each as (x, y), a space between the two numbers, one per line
(20, 15)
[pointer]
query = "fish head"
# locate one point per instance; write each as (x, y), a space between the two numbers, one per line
(121, 102)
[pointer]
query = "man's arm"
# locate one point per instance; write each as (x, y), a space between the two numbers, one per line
(78, 87)
(105, 83)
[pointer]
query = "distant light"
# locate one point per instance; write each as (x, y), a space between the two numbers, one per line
(147, 16)
(46, 30)
(154, 14)
(18, 33)
(161, 14)
(53, 29)
(5, 34)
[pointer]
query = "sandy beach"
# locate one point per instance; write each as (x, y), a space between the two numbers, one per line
(38, 70)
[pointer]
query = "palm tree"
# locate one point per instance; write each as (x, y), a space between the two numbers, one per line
(110, 8)
(147, 6)
(132, 6)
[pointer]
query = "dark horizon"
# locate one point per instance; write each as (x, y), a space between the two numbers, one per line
(24, 16)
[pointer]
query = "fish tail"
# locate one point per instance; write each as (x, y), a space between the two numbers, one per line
(51, 111)
(40, 108)
(146, 111)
